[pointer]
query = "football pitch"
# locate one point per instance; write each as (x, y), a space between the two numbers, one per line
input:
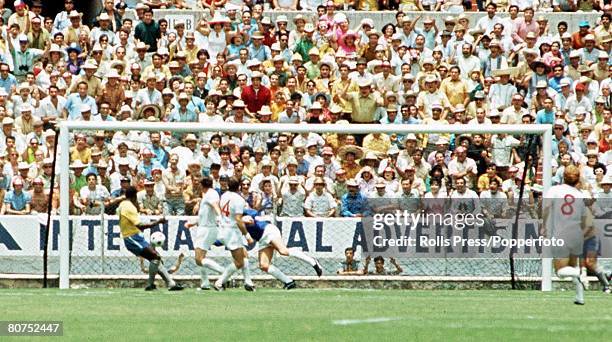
(314, 315)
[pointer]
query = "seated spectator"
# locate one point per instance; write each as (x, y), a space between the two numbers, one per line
(16, 201)
(379, 266)
(350, 266)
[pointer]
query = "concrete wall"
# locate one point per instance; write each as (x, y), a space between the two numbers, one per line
(383, 17)
(348, 282)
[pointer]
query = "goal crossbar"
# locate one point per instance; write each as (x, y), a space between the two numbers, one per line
(67, 126)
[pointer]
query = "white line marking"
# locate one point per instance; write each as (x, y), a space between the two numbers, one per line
(362, 321)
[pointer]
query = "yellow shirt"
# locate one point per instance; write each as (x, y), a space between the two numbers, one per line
(456, 92)
(364, 108)
(338, 86)
(84, 155)
(378, 145)
(128, 219)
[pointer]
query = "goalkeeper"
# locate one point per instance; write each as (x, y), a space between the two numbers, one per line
(269, 240)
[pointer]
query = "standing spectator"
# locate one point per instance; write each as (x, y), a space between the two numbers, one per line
(256, 95)
(173, 179)
(148, 31)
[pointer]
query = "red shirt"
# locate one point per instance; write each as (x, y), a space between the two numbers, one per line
(255, 100)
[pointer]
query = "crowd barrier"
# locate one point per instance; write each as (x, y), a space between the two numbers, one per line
(101, 251)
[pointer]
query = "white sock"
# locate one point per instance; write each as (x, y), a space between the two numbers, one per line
(246, 272)
(601, 275)
(163, 272)
(227, 273)
(297, 253)
(153, 266)
(204, 282)
(568, 271)
(213, 265)
(278, 274)
(579, 290)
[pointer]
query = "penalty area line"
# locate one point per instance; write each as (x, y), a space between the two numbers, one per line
(365, 321)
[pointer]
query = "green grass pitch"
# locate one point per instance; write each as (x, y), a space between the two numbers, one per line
(314, 315)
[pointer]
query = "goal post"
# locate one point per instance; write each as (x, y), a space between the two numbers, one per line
(66, 127)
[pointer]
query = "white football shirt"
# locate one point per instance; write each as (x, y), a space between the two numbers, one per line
(206, 215)
(231, 205)
(566, 209)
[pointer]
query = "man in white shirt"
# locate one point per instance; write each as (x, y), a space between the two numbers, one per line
(462, 167)
(487, 22)
(320, 203)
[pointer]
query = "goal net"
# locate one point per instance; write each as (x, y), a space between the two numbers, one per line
(92, 245)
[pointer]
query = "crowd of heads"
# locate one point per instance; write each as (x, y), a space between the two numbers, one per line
(240, 64)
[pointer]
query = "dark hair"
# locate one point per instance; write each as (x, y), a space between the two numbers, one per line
(435, 168)
(494, 180)
(130, 193)
(206, 182)
(234, 185)
(599, 166)
(379, 258)
(384, 28)
(349, 249)
(90, 174)
(562, 23)
(215, 136)
(215, 166)
(203, 52)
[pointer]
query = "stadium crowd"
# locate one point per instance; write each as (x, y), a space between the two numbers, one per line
(239, 66)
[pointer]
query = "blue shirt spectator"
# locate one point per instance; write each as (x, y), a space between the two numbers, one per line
(354, 204)
(75, 102)
(16, 199)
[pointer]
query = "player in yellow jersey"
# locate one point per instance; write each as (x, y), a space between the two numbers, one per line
(131, 231)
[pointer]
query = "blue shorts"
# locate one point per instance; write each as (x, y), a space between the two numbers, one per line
(591, 245)
(136, 244)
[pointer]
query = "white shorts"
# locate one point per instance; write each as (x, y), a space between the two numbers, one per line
(231, 238)
(205, 237)
(270, 233)
(573, 243)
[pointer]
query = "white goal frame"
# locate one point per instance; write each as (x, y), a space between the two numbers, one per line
(545, 131)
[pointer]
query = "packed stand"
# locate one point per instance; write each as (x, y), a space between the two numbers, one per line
(239, 66)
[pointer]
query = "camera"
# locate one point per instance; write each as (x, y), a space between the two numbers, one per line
(24, 68)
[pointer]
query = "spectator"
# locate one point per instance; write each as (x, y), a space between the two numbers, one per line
(350, 266)
(319, 202)
(16, 201)
(379, 266)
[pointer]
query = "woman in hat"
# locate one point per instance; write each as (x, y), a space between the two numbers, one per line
(74, 60)
(236, 43)
(366, 180)
(540, 73)
(266, 201)
(218, 38)
(390, 179)
(348, 42)
(348, 154)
